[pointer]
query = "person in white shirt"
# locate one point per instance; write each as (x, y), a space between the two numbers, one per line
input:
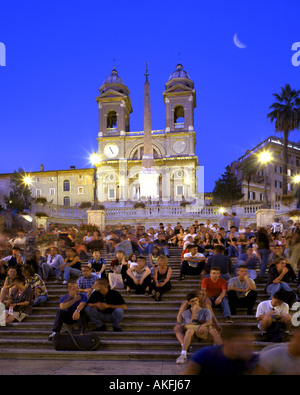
(53, 264)
(191, 233)
(193, 262)
(273, 310)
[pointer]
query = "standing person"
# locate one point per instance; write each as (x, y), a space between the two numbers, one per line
(284, 359)
(241, 291)
(295, 249)
(269, 312)
(193, 320)
(216, 288)
(234, 357)
(71, 309)
(105, 305)
(263, 247)
(53, 264)
(161, 278)
(139, 277)
(223, 222)
(37, 285)
(235, 221)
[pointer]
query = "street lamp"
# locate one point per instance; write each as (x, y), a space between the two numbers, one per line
(95, 161)
(265, 157)
(27, 181)
(296, 180)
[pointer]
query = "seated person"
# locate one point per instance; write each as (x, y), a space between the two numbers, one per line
(221, 261)
(14, 260)
(124, 245)
(145, 244)
(71, 309)
(241, 291)
(11, 274)
(162, 245)
(37, 285)
(250, 259)
(272, 311)
(71, 266)
(139, 277)
(280, 275)
(161, 278)
(119, 265)
(97, 263)
(216, 288)
(53, 264)
(193, 262)
(86, 282)
(194, 320)
(19, 303)
(105, 305)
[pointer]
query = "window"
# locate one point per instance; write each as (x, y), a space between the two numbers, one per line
(179, 190)
(51, 178)
(52, 191)
(80, 177)
(112, 121)
(66, 186)
(261, 197)
(111, 193)
(178, 117)
(38, 192)
(251, 195)
(278, 169)
(278, 184)
(261, 172)
(290, 187)
(67, 201)
(80, 190)
(37, 179)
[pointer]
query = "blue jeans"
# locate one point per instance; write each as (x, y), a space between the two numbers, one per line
(264, 260)
(273, 288)
(70, 271)
(40, 300)
(147, 250)
(98, 318)
(224, 305)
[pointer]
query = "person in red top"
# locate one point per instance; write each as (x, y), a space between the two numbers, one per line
(216, 289)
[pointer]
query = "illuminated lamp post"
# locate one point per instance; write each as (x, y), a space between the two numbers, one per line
(95, 161)
(265, 157)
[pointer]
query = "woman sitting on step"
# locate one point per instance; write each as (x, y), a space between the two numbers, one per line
(139, 277)
(161, 278)
(19, 302)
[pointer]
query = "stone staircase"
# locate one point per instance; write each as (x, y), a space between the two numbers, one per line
(147, 326)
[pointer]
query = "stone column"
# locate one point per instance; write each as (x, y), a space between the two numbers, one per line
(96, 217)
(265, 216)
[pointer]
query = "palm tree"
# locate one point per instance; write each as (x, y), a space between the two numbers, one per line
(286, 114)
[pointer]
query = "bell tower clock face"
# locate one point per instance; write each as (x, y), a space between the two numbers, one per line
(111, 150)
(179, 146)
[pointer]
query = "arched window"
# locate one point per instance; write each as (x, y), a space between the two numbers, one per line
(67, 201)
(112, 121)
(139, 152)
(66, 186)
(179, 117)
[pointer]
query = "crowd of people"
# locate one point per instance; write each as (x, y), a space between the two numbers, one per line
(229, 260)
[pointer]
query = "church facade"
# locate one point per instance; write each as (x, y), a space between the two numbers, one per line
(121, 150)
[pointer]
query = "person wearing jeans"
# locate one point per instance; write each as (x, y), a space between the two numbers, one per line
(105, 305)
(216, 288)
(280, 275)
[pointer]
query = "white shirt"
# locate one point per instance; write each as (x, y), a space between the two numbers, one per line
(186, 236)
(265, 307)
(189, 255)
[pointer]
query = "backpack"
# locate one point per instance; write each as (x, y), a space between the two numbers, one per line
(276, 332)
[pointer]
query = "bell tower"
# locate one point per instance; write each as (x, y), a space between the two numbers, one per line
(180, 101)
(114, 106)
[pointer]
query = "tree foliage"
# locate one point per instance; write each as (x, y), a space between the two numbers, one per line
(18, 191)
(226, 190)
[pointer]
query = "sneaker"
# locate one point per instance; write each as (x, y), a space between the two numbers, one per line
(181, 359)
(65, 282)
(181, 278)
(50, 338)
(228, 320)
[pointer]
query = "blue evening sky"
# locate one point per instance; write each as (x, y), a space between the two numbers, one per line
(59, 52)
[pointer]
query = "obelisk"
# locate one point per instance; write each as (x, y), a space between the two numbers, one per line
(148, 177)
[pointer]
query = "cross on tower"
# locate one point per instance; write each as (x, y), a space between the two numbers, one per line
(147, 74)
(114, 60)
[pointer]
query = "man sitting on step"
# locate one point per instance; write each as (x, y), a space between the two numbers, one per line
(193, 262)
(194, 320)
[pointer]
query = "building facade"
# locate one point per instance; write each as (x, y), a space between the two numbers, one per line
(251, 174)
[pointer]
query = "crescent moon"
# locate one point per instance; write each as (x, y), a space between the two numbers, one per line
(237, 42)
